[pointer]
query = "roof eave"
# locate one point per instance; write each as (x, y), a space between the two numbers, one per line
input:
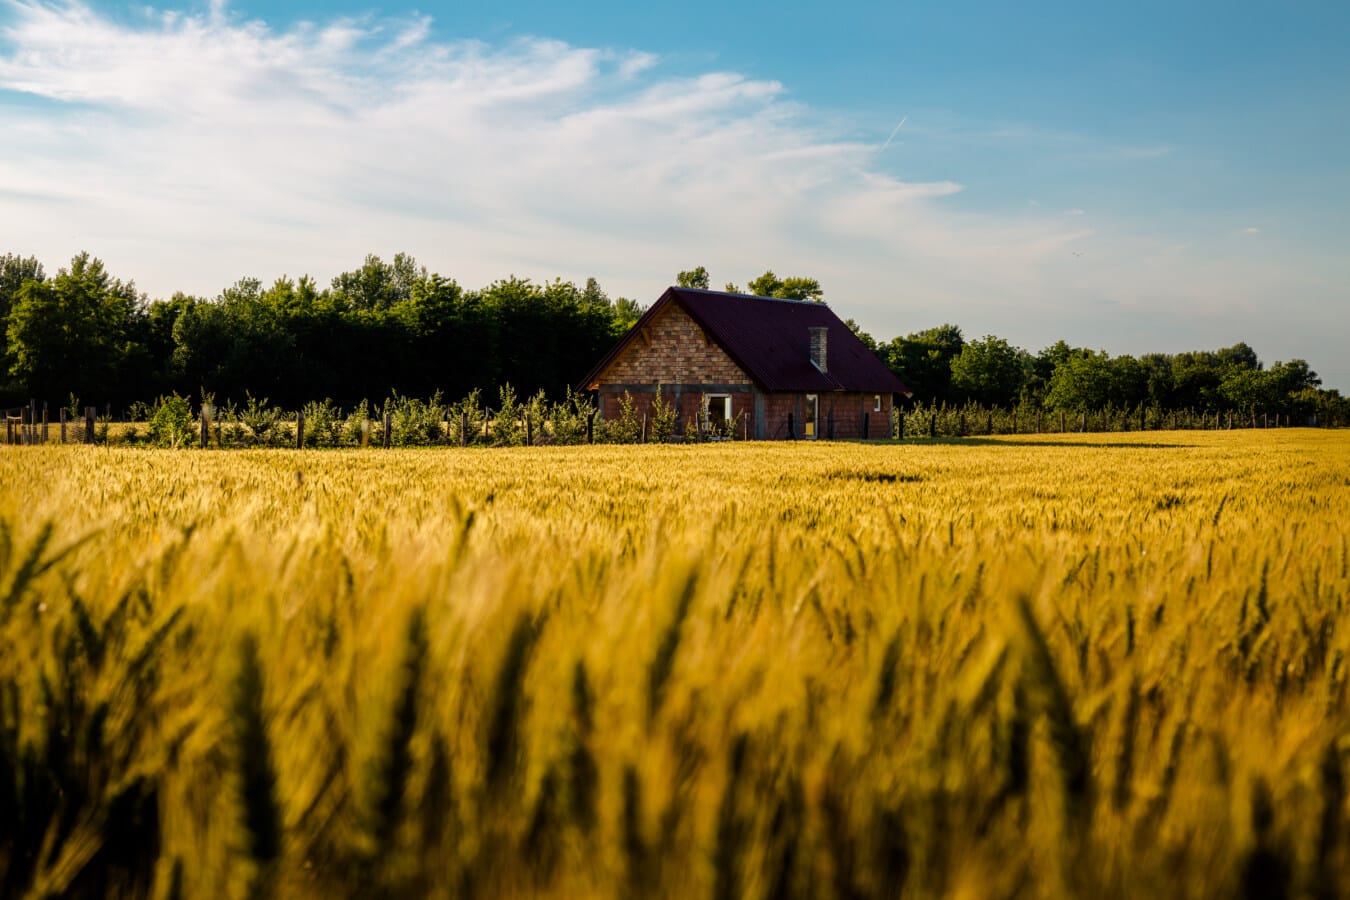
(590, 382)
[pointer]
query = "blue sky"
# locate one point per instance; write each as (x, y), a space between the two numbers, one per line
(1134, 177)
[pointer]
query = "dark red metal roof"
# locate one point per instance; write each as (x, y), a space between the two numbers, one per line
(770, 340)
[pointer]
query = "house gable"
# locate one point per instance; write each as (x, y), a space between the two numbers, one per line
(670, 348)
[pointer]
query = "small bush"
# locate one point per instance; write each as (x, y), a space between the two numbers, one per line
(323, 424)
(415, 423)
(627, 427)
(171, 423)
(261, 420)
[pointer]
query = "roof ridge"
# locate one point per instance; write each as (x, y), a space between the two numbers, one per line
(676, 287)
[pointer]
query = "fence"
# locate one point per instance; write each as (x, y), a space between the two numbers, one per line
(405, 422)
(972, 420)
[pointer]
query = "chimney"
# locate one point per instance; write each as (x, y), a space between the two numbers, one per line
(818, 335)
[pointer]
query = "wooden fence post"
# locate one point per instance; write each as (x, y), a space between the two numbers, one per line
(45, 432)
(89, 424)
(900, 426)
(63, 424)
(792, 435)
(867, 425)
(1061, 421)
(299, 430)
(642, 435)
(388, 430)
(590, 428)
(1265, 419)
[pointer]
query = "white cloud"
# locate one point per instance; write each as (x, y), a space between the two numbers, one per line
(1252, 230)
(201, 146)
(189, 149)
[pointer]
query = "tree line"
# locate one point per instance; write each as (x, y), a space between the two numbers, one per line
(395, 328)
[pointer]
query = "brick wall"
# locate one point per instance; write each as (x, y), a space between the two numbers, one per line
(848, 410)
(674, 351)
(689, 404)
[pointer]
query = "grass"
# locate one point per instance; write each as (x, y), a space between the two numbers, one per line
(1043, 667)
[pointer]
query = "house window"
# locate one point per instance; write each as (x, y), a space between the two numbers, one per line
(717, 412)
(876, 403)
(809, 416)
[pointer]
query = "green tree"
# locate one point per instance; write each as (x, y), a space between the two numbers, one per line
(626, 314)
(72, 333)
(14, 271)
(1081, 381)
(377, 284)
(1272, 390)
(923, 361)
(791, 288)
(694, 278)
(988, 371)
(1129, 381)
(235, 343)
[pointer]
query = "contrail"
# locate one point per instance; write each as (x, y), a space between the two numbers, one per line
(894, 132)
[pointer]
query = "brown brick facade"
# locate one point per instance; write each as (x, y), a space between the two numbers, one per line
(673, 350)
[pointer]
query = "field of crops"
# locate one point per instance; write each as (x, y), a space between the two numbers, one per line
(1073, 665)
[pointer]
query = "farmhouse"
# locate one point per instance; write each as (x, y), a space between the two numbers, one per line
(745, 366)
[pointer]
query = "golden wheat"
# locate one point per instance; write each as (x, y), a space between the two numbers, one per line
(1107, 665)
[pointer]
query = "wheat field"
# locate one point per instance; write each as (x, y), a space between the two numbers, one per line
(1079, 665)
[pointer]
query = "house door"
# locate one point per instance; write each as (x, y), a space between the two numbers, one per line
(717, 414)
(809, 416)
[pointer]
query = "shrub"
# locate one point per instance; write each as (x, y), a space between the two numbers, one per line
(664, 418)
(627, 427)
(568, 418)
(356, 430)
(323, 424)
(171, 422)
(507, 428)
(415, 423)
(261, 420)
